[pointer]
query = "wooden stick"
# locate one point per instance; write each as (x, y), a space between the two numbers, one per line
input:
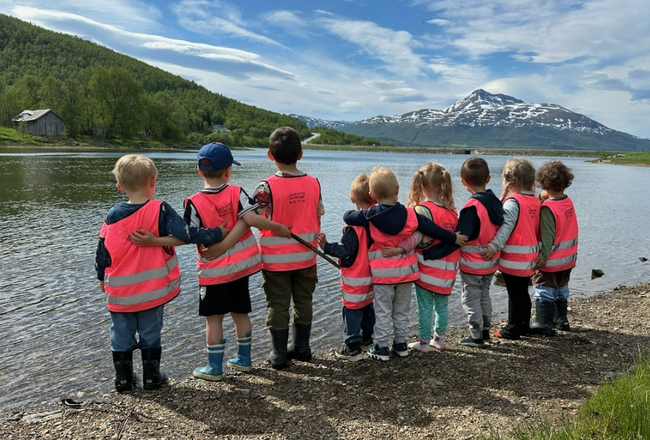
(318, 251)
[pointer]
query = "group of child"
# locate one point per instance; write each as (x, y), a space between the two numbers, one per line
(385, 248)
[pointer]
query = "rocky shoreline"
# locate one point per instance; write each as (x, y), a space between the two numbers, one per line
(460, 393)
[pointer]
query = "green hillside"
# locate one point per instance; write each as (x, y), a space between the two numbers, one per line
(101, 93)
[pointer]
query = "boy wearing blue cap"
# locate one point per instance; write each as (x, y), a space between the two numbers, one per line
(223, 281)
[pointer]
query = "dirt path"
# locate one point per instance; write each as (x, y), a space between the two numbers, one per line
(456, 394)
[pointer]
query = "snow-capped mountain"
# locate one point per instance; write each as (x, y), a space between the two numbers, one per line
(485, 120)
(316, 122)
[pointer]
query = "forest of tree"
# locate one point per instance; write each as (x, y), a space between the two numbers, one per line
(329, 136)
(99, 92)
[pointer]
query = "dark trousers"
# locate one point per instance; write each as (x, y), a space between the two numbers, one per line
(518, 304)
(358, 324)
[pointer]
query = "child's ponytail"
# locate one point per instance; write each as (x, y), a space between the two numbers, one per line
(416, 194)
(447, 191)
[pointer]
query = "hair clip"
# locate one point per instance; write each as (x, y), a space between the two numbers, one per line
(421, 172)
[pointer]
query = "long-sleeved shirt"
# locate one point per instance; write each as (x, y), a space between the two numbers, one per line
(169, 223)
(390, 219)
(510, 217)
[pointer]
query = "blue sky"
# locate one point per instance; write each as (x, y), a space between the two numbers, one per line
(353, 59)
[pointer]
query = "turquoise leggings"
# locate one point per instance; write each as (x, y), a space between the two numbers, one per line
(428, 303)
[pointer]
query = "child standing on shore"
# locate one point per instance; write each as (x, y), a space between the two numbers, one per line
(479, 220)
(139, 281)
(356, 281)
(389, 223)
(432, 196)
(557, 257)
(290, 196)
(518, 241)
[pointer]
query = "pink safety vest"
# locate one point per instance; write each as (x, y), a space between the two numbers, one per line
(471, 253)
(522, 247)
(439, 275)
(356, 280)
(139, 278)
(243, 258)
(564, 253)
(400, 268)
(295, 202)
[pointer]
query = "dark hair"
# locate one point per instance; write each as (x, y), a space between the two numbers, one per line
(554, 175)
(475, 171)
(211, 174)
(285, 146)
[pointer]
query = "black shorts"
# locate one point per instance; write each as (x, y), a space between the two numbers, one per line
(221, 299)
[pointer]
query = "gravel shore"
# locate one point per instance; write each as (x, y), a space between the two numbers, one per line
(460, 393)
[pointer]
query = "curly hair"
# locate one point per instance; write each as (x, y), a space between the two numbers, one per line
(554, 175)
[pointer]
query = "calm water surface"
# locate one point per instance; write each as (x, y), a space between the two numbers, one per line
(53, 319)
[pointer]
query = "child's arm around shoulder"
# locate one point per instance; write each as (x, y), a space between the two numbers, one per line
(252, 218)
(356, 217)
(430, 229)
(348, 247)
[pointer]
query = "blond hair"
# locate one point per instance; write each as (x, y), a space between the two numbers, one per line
(518, 173)
(431, 175)
(133, 171)
(383, 183)
(360, 190)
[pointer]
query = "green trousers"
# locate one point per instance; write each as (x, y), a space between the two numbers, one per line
(428, 304)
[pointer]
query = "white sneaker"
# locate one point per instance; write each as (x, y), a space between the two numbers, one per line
(421, 346)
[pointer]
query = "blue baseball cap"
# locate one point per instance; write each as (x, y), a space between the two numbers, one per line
(218, 154)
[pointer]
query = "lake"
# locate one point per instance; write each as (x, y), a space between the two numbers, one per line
(54, 322)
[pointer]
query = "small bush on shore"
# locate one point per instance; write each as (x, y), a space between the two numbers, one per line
(619, 410)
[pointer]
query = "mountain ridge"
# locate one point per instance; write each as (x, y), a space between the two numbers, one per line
(486, 120)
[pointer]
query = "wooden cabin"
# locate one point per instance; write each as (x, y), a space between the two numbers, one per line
(39, 123)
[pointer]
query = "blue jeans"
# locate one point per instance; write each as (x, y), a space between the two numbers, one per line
(147, 324)
(549, 294)
(358, 324)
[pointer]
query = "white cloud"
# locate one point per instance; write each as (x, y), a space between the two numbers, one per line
(393, 48)
(120, 13)
(217, 18)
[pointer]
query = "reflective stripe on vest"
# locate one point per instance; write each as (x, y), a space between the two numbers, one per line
(400, 268)
(564, 252)
(439, 275)
(356, 281)
(139, 278)
(522, 247)
(295, 202)
(471, 254)
(243, 258)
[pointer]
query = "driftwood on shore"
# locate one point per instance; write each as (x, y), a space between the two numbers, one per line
(459, 393)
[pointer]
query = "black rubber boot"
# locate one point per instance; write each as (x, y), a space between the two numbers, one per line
(278, 356)
(299, 347)
(123, 363)
(543, 323)
(560, 320)
(152, 376)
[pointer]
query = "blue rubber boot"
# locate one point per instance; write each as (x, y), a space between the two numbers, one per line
(243, 360)
(213, 371)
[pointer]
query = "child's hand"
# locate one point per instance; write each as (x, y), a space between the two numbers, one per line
(322, 240)
(543, 196)
(224, 230)
(488, 253)
(284, 231)
(142, 237)
(101, 286)
(390, 251)
(460, 239)
(213, 251)
(540, 262)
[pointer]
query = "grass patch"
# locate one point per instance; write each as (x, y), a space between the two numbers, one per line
(620, 409)
(638, 158)
(9, 136)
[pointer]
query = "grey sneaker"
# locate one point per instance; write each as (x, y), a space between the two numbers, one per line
(351, 354)
(471, 342)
